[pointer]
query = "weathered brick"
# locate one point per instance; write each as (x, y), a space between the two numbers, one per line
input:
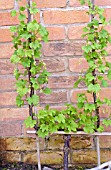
(7, 83)
(13, 114)
(55, 142)
(54, 97)
(62, 49)
(10, 129)
(75, 32)
(46, 157)
(65, 17)
(77, 142)
(5, 35)
(5, 5)
(105, 141)
(7, 98)
(56, 33)
(6, 67)
(76, 64)
(55, 65)
(63, 82)
(6, 19)
(7, 157)
(90, 156)
(6, 50)
(80, 142)
(20, 144)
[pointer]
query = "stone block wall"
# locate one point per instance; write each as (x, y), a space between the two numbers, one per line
(63, 56)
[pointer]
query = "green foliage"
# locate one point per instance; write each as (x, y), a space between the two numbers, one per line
(97, 39)
(30, 70)
(86, 113)
(27, 45)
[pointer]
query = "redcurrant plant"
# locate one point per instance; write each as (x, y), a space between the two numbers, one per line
(30, 70)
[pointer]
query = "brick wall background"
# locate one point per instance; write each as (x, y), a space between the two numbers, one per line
(63, 55)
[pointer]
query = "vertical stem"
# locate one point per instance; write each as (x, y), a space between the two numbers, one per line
(32, 93)
(94, 82)
(66, 150)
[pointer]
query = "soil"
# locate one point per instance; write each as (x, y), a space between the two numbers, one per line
(23, 166)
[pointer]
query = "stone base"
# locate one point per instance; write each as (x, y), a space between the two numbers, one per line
(23, 149)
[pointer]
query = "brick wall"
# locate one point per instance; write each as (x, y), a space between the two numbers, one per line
(63, 55)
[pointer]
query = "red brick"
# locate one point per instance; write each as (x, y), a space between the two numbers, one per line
(54, 97)
(105, 111)
(97, 2)
(6, 19)
(50, 3)
(104, 93)
(7, 98)
(65, 17)
(74, 94)
(47, 3)
(57, 82)
(55, 65)
(75, 32)
(103, 2)
(74, 3)
(62, 49)
(12, 114)
(76, 65)
(6, 67)
(107, 13)
(6, 50)
(37, 17)
(56, 33)
(7, 5)
(10, 129)
(5, 35)
(7, 83)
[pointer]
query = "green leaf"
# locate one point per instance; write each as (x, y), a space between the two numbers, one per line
(26, 35)
(35, 45)
(47, 90)
(109, 74)
(29, 122)
(13, 28)
(33, 10)
(82, 2)
(22, 17)
(34, 100)
(25, 62)
(33, 26)
(14, 59)
(107, 122)
(94, 88)
(78, 82)
(104, 83)
(22, 8)
(13, 13)
(16, 74)
(19, 101)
